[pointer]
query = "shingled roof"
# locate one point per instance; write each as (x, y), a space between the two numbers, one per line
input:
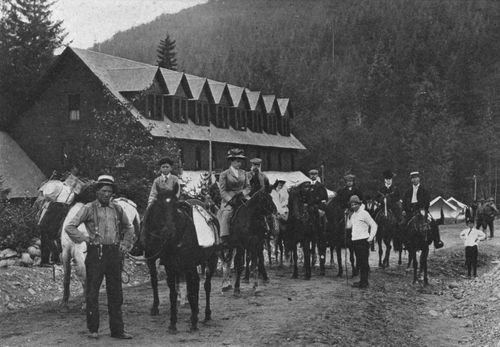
(18, 172)
(107, 69)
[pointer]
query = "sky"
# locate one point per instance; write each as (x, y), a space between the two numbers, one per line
(90, 21)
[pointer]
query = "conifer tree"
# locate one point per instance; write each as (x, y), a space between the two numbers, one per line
(28, 38)
(166, 54)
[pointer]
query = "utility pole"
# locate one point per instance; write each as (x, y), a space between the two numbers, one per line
(474, 177)
(323, 174)
(210, 148)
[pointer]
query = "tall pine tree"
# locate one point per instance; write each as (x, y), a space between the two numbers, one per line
(28, 38)
(166, 54)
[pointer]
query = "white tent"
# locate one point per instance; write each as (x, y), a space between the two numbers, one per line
(18, 172)
(438, 204)
(459, 205)
(292, 178)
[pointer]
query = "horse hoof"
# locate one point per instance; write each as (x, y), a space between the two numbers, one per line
(172, 329)
(193, 329)
(307, 277)
(265, 281)
(227, 288)
(155, 311)
(64, 308)
(245, 280)
(322, 273)
(295, 276)
(236, 292)
(207, 319)
(339, 275)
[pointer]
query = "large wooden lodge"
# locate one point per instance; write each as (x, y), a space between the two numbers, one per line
(190, 109)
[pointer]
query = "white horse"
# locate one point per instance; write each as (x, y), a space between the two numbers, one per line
(77, 252)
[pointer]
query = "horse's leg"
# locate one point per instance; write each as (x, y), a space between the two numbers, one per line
(339, 260)
(171, 281)
(313, 253)
(295, 260)
(387, 241)
(193, 292)
(80, 250)
(415, 265)
(269, 251)
(226, 271)
(307, 259)
(380, 251)
(209, 272)
(262, 268)
(246, 279)
(322, 257)
(255, 255)
(153, 274)
(491, 226)
(66, 261)
(423, 263)
(239, 260)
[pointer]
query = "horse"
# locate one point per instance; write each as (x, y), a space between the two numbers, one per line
(248, 232)
(170, 235)
(75, 253)
(302, 223)
(388, 220)
(485, 214)
(336, 236)
(419, 235)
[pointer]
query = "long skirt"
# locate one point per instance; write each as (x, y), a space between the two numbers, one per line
(224, 216)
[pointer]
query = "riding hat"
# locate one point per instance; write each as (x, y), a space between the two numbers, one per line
(349, 177)
(414, 174)
(256, 161)
(165, 160)
(236, 153)
(105, 180)
(313, 172)
(354, 200)
(388, 174)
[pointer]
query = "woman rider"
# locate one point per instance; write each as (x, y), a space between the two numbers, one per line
(231, 182)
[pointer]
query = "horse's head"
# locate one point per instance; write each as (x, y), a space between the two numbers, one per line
(161, 220)
(263, 201)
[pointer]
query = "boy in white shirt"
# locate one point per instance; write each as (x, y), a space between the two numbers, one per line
(471, 237)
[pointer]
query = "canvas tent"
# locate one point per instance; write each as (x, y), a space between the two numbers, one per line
(438, 204)
(18, 172)
(292, 178)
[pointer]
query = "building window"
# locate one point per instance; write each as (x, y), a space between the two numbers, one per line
(268, 160)
(197, 159)
(249, 118)
(158, 106)
(242, 121)
(292, 161)
(205, 115)
(226, 117)
(280, 161)
(181, 156)
(74, 107)
(198, 113)
(183, 114)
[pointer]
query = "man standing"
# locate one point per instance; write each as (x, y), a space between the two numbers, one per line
(256, 177)
(349, 190)
(110, 234)
(214, 190)
(364, 230)
(416, 199)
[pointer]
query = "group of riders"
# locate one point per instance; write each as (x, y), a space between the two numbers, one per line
(110, 233)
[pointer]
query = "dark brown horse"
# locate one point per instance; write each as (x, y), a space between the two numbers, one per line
(302, 227)
(170, 235)
(248, 231)
(336, 236)
(420, 233)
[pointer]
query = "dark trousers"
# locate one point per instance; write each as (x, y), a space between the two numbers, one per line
(471, 259)
(362, 251)
(107, 263)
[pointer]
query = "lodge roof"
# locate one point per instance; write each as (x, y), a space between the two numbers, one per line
(18, 172)
(116, 74)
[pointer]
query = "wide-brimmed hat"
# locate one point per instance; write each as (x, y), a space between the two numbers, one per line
(105, 180)
(236, 153)
(278, 181)
(313, 172)
(388, 174)
(165, 160)
(354, 200)
(414, 174)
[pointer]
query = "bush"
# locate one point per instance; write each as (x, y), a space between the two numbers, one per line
(17, 224)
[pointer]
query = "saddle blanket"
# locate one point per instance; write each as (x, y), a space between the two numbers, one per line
(205, 228)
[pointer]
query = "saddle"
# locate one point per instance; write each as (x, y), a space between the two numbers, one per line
(205, 223)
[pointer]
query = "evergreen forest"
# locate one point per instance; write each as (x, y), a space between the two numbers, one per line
(375, 84)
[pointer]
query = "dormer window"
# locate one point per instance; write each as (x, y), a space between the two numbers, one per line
(74, 107)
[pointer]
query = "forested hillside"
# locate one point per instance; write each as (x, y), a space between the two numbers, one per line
(387, 84)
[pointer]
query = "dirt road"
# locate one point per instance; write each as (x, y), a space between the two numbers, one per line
(451, 311)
